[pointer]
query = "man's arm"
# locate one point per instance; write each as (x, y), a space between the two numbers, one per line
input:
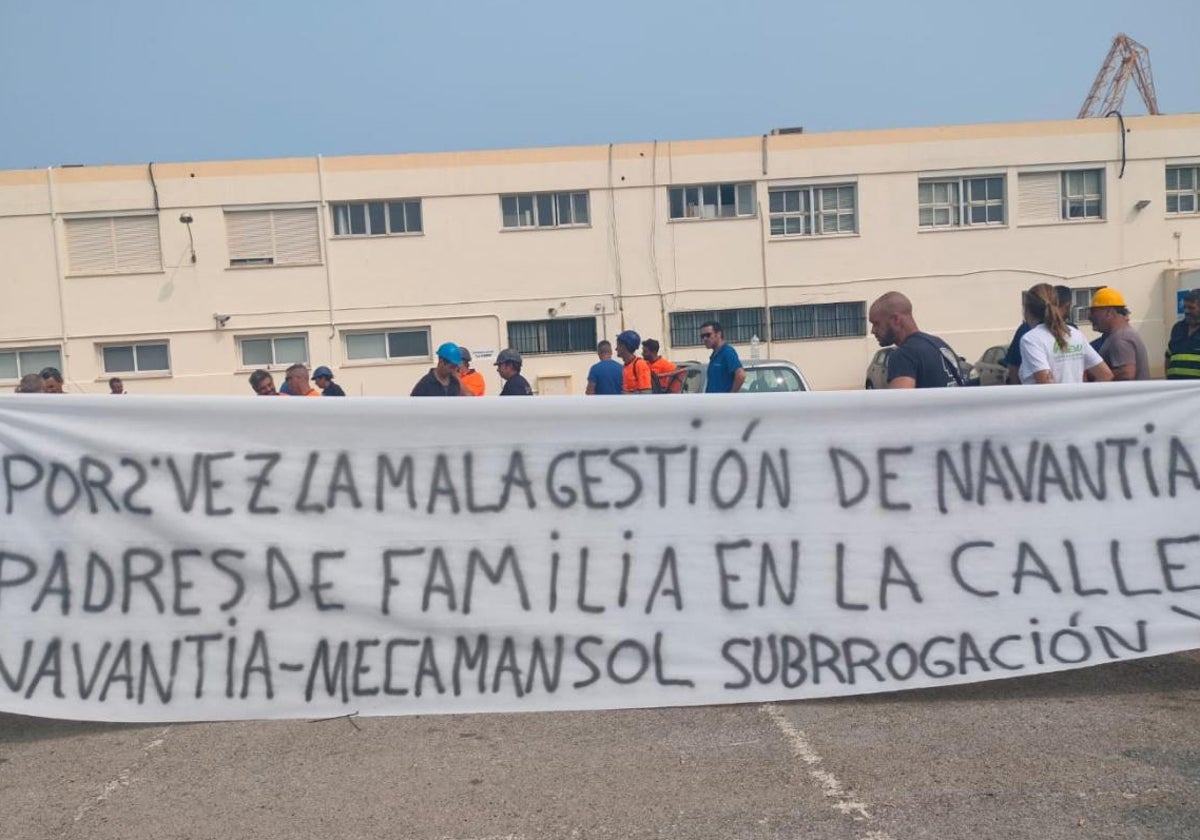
(591, 388)
(1122, 358)
(739, 379)
(901, 370)
(1102, 373)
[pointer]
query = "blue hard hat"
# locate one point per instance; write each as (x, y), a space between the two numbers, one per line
(450, 352)
(630, 339)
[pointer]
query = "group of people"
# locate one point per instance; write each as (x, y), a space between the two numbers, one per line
(50, 381)
(1046, 348)
(652, 373)
(452, 376)
(296, 383)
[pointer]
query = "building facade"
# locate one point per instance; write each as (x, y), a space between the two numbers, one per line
(184, 277)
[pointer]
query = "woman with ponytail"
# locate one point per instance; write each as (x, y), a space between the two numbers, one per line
(1053, 350)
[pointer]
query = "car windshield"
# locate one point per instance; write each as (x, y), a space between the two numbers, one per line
(771, 379)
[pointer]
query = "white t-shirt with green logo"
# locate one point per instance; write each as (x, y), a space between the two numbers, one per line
(1040, 351)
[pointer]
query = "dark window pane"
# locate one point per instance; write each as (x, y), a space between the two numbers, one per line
(582, 214)
(525, 210)
(412, 217)
(358, 219)
(508, 208)
(118, 359)
(728, 199)
(676, 199)
(545, 210)
(408, 343)
(152, 357)
(378, 225)
(563, 201)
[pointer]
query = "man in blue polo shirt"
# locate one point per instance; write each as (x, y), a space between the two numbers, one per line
(604, 377)
(725, 372)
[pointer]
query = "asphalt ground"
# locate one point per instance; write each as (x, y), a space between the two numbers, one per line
(1108, 752)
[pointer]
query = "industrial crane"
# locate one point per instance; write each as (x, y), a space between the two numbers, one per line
(1127, 59)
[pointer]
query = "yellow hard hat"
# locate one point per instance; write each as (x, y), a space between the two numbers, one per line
(1108, 297)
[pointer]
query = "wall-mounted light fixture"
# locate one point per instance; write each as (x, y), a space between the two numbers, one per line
(186, 218)
(221, 320)
(1142, 205)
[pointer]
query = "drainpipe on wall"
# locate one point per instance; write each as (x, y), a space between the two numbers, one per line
(321, 216)
(58, 276)
(762, 236)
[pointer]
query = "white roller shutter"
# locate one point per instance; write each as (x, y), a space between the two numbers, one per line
(296, 236)
(250, 239)
(113, 245)
(1038, 196)
(137, 245)
(273, 237)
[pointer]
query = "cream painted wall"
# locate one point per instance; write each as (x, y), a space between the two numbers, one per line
(466, 276)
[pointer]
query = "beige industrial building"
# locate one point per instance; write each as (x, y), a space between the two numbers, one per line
(184, 277)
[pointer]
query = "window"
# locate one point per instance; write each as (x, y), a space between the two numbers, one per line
(1081, 304)
(737, 325)
(272, 350)
(410, 343)
(818, 320)
(273, 237)
(113, 244)
(1082, 194)
(1055, 196)
(813, 211)
(149, 357)
(18, 361)
(554, 335)
(960, 202)
(376, 218)
(711, 201)
(1183, 189)
(545, 210)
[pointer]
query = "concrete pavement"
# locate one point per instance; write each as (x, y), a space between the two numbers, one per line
(1110, 752)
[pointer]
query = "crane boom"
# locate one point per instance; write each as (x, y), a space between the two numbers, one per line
(1126, 59)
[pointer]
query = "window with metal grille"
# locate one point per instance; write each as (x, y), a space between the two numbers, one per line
(287, 236)
(407, 343)
(553, 335)
(545, 210)
(113, 244)
(960, 202)
(737, 325)
(145, 357)
(814, 211)
(1081, 304)
(15, 362)
(1183, 189)
(818, 320)
(1083, 194)
(376, 218)
(711, 201)
(266, 351)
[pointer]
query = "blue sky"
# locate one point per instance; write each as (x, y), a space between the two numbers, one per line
(127, 81)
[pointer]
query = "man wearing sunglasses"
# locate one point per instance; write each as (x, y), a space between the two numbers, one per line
(725, 371)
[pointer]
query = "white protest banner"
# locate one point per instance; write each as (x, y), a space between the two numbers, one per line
(224, 558)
